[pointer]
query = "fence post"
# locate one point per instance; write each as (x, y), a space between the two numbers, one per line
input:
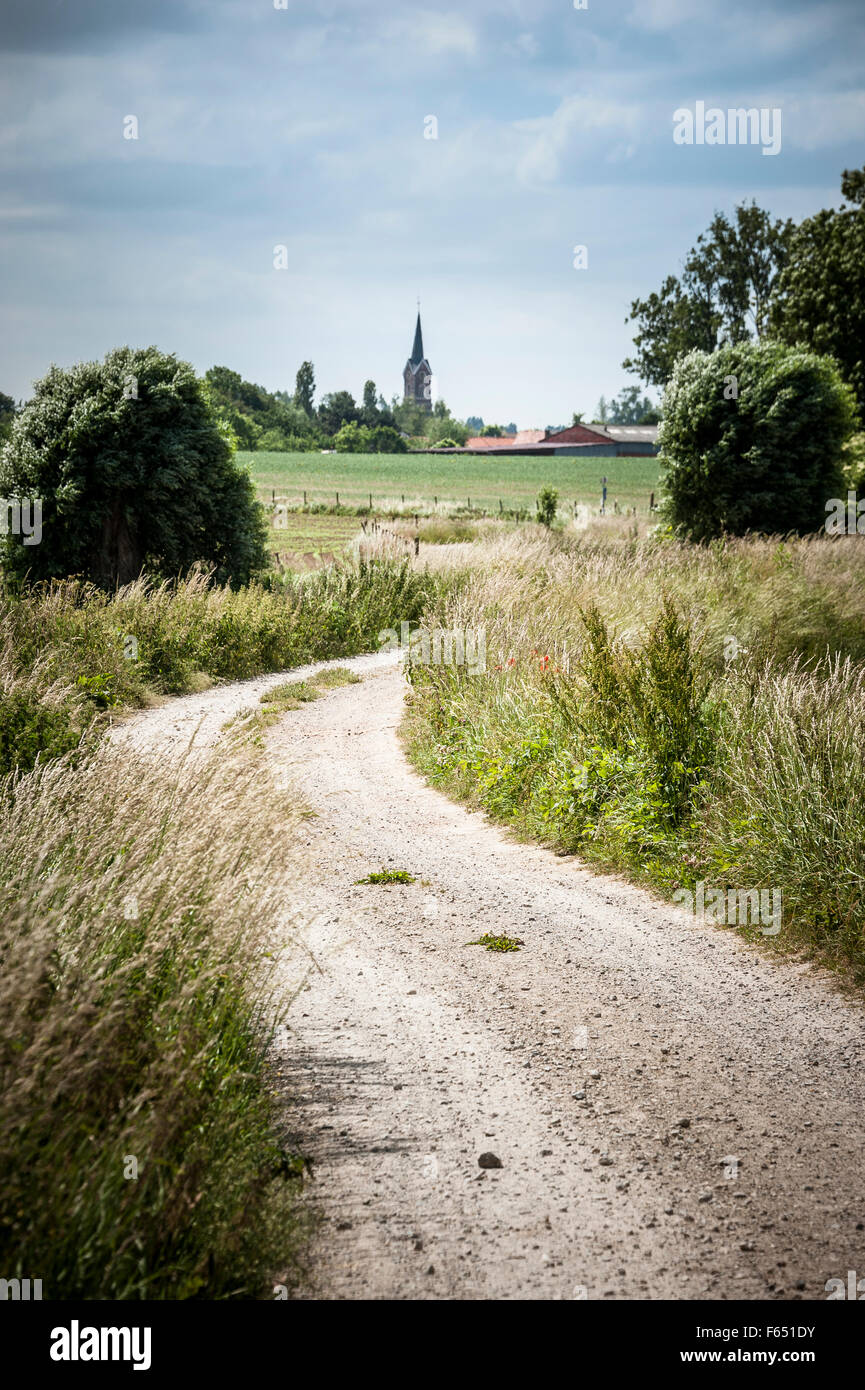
(417, 545)
(370, 501)
(304, 499)
(337, 499)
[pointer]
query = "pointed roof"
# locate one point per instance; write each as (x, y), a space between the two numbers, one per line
(417, 351)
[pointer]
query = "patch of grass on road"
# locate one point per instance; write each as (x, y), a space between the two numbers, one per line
(388, 876)
(498, 943)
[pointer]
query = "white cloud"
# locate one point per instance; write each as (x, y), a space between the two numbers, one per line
(527, 45)
(563, 137)
(433, 32)
(824, 120)
(664, 14)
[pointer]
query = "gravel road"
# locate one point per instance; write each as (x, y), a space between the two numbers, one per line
(676, 1114)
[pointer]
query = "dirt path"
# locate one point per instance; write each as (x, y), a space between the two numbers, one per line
(675, 1115)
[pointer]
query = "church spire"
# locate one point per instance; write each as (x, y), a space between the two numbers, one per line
(417, 373)
(417, 351)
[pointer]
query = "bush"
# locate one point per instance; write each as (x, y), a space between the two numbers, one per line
(134, 472)
(547, 502)
(384, 439)
(352, 438)
(752, 440)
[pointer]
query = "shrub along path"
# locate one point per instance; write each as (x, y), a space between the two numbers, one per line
(675, 1114)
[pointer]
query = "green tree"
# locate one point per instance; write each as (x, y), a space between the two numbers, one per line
(491, 432)
(337, 409)
(134, 471)
(304, 387)
(370, 404)
(7, 415)
(820, 295)
(384, 439)
(724, 293)
(253, 413)
(352, 438)
(630, 408)
(752, 440)
(602, 413)
(446, 427)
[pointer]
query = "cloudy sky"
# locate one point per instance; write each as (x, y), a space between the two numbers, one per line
(304, 127)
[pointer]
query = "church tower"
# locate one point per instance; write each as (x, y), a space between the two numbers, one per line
(417, 374)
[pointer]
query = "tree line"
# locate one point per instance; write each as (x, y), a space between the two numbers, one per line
(760, 348)
(752, 277)
(284, 421)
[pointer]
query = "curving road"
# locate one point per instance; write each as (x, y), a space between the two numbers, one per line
(676, 1114)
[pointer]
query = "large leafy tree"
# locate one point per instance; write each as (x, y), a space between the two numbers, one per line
(370, 407)
(259, 419)
(630, 408)
(7, 415)
(304, 387)
(752, 440)
(338, 408)
(723, 294)
(374, 411)
(820, 295)
(134, 472)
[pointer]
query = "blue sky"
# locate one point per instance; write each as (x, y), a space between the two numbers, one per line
(304, 127)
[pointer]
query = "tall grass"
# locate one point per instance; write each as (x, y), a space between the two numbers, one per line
(70, 652)
(138, 1140)
(670, 711)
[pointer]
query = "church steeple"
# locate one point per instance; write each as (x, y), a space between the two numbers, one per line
(417, 373)
(417, 350)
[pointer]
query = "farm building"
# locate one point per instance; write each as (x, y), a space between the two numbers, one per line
(613, 441)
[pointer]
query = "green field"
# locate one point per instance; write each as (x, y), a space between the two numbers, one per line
(300, 533)
(453, 479)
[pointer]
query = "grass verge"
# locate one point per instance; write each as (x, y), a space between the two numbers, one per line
(139, 1137)
(688, 716)
(71, 654)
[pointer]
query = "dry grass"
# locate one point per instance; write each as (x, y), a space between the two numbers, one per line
(139, 905)
(712, 729)
(776, 597)
(70, 653)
